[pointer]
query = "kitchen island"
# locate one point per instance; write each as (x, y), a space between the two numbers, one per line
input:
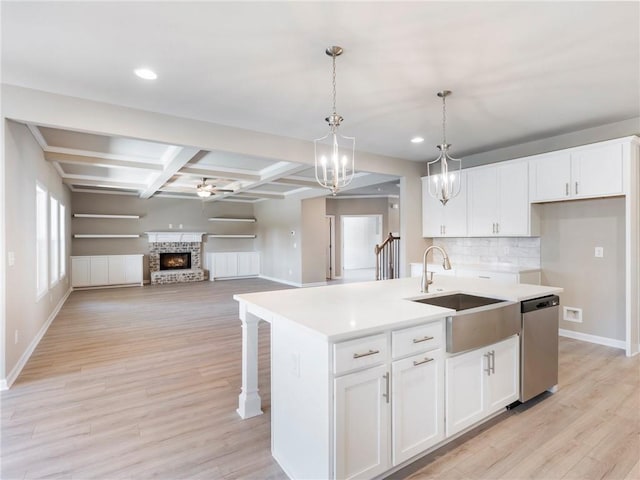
(360, 381)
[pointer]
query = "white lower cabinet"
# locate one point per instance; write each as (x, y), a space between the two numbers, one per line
(417, 404)
(362, 423)
(106, 270)
(232, 264)
(481, 382)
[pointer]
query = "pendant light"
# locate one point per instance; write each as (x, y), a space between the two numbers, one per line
(445, 171)
(334, 153)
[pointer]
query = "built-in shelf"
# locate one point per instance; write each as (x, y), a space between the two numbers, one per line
(100, 215)
(231, 236)
(229, 219)
(99, 235)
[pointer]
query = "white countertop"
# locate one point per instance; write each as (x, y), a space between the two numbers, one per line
(339, 312)
(498, 268)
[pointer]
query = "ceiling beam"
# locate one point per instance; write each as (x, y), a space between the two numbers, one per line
(217, 173)
(99, 161)
(298, 183)
(100, 182)
(179, 160)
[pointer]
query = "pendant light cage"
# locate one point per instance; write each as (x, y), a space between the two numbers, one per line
(334, 153)
(445, 172)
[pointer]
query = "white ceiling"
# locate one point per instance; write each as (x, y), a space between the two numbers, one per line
(519, 71)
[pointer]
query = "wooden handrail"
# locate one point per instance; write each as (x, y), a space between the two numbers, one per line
(390, 255)
(387, 241)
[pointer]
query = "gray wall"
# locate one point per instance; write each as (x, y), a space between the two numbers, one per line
(569, 233)
(25, 164)
(313, 241)
(279, 236)
(156, 214)
(363, 206)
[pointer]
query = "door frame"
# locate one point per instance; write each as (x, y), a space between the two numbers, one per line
(331, 260)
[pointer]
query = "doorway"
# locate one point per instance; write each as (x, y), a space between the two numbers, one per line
(360, 234)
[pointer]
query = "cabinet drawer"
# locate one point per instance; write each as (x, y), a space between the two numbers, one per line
(497, 276)
(416, 339)
(358, 353)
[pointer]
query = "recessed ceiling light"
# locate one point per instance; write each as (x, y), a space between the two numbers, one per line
(417, 140)
(145, 73)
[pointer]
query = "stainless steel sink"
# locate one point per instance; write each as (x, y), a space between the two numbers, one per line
(459, 301)
(482, 321)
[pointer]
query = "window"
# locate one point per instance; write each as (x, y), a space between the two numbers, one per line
(63, 241)
(41, 241)
(54, 243)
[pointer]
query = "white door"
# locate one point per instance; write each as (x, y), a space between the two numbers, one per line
(117, 269)
(550, 177)
(362, 424)
(133, 268)
(504, 379)
(483, 201)
(432, 219)
(464, 391)
(597, 171)
(99, 271)
(80, 271)
(360, 235)
(513, 199)
(417, 404)
(225, 264)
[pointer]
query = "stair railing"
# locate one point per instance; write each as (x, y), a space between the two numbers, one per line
(388, 258)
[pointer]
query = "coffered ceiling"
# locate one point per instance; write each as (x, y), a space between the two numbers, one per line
(519, 71)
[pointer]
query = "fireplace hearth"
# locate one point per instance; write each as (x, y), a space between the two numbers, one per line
(175, 261)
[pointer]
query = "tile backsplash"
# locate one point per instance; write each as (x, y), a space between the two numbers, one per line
(520, 251)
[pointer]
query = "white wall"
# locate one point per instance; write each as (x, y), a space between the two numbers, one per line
(24, 165)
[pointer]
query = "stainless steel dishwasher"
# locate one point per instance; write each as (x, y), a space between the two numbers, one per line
(539, 346)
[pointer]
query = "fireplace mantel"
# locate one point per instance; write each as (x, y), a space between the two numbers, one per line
(175, 237)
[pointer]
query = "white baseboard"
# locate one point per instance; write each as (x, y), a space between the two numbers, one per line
(585, 337)
(315, 284)
(15, 371)
(278, 280)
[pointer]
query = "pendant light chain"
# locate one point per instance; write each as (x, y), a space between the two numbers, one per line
(444, 120)
(334, 84)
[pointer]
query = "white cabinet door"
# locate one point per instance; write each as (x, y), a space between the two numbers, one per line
(99, 271)
(432, 220)
(448, 220)
(481, 382)
(513, 199)
(362, 424)
(248, 264)
(80, 271)
(550, 177)
(417, 399)
(225, 264)
(133, 269)
(597, 171)
(504, 379)
(464, 391)
(117, 268)
(483, 201)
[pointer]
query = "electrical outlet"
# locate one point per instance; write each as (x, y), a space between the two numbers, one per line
(598, 252)
(16, 337)
(170, 225)
(180, 226)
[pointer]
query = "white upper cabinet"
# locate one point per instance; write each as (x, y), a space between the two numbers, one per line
(584, 172)
(499, 200)
(448, 220)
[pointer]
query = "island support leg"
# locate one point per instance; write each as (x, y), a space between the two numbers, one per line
(249, 401)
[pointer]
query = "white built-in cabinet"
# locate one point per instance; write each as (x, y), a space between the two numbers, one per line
(590, 171)
(448, 220)
(106, 270)
(232, 264)
(480, 383)
(498, 200)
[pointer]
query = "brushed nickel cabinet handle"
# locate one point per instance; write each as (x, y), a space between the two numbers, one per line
(488, 369)
(566, 189)
(386, 380)
(492, 357)
(425, 360)
(576, 188)
(366, 354)
(497, 228)
(423, 339)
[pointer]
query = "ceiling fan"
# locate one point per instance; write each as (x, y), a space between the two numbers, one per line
(205, 189)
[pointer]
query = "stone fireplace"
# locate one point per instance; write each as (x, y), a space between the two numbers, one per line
(175, 257)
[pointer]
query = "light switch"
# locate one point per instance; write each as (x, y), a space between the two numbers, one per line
(11, 258)
(599, 252)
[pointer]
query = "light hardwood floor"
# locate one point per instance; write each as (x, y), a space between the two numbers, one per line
(143, 382)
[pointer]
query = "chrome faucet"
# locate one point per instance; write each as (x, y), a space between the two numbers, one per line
(446, 264)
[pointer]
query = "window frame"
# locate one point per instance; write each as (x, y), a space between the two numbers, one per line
(42, 241)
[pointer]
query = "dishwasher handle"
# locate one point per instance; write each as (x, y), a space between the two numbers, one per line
(540, 303)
